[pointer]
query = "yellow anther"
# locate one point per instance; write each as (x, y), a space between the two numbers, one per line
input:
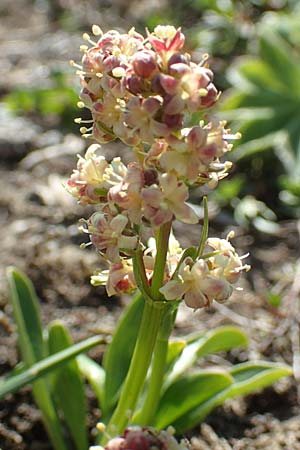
(97, 30)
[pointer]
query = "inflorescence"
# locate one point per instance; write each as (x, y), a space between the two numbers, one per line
(145, 92)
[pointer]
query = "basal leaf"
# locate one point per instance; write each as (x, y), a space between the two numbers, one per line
(175, 347)
(29, 375)
(119, 353)
(26, 314)
(67, 387)
(248, 377)
(220, 339)
(188, 392)
(94, 374)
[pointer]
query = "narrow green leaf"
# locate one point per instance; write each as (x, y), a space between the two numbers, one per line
(94, 374)
(119, 353)
(248, 377)
(27, 316)
(188, 392)
(220, 339)
(13, 383)
(276, 52)
(68, 388)
(26, 313)
(175, 347)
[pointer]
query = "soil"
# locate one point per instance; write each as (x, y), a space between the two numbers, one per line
(39, 229)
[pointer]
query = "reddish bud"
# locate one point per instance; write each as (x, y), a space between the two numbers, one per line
(173, 121)
(144, 63)
(177, 58)
(211, 96)
(178, 69)
(150, 177)
(135, 84)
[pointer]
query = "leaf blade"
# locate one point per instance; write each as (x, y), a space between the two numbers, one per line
(67, 387)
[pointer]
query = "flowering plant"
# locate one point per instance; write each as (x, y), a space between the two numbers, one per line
(145, 92)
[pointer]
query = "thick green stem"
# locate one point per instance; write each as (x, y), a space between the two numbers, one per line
(150, 325)
(146, 414)
(139, 365)
(162, 245)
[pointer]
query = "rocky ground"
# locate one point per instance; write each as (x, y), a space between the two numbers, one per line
(39, 229)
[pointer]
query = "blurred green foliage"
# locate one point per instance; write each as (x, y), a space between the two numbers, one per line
(58, 100)
(264, 104)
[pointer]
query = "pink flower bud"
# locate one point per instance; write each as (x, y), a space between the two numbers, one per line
(168, 83)
(137, 438)
(151, 105)
(174, 121)
(178, 58)
(135, 84)
(156, 85)
(179, 69)
(144, 63)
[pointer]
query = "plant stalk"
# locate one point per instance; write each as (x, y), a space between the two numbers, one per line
(147, 413)
(139, 365)
(154, 310)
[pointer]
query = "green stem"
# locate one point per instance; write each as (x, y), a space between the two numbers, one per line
(139, 365)
(140, 274)
(162, 245)
(146, 414)
(204, 233)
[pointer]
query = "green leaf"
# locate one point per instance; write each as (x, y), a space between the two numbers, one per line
(276, 53)
(94, 374)
(264, 104)
(119, 353)
(68, 388)
(26, 314)
(187, 393)
(248, 377)
(220, 339)
(32, 374)
(27, 317)
(175, 347)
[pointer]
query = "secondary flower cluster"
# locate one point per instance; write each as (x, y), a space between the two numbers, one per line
(207, 278)
(146, 438)
(144, 91)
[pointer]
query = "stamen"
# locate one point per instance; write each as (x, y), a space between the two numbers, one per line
(84, 246)
(80, 104)
(86, 37)
(205, 57)
(244, 256)
(100, 425)
(74, 64)
(97, 30)
(80, 120)
(230, 235)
